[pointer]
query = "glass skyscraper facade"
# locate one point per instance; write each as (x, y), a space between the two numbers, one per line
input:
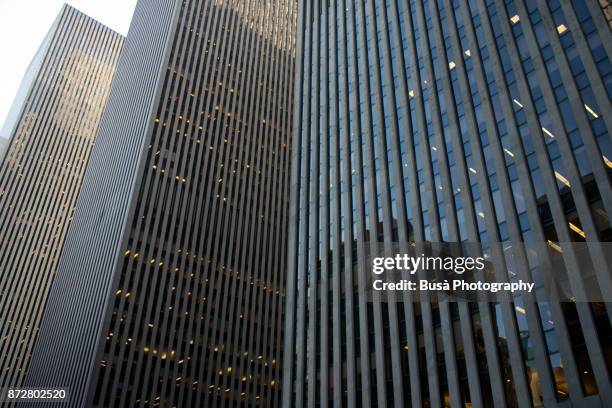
(448, 121)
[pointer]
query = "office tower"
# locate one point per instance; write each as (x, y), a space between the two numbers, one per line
(51, 130)
(170, 285)
(457, 121)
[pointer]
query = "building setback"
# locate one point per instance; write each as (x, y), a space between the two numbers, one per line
(170, 286)
(480, 121)
(50, 133)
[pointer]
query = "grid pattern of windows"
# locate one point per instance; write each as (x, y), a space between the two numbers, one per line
(458, 121)
(65, 91)
(209, 226)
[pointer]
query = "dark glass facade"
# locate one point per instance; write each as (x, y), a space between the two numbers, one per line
(457, 121)
(51, 131)
(170, 289)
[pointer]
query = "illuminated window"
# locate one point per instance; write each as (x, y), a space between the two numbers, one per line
(577, 230)
(591, 111)
(548, 133)
(554, 246)
(562, 179)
